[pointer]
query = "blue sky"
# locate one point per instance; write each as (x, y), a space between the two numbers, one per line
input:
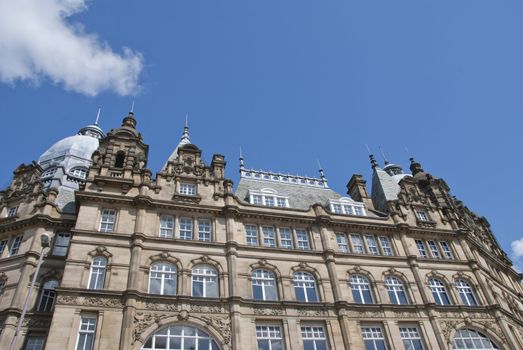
(289, 81)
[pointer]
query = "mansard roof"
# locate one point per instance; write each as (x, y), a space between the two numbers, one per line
(302, 192)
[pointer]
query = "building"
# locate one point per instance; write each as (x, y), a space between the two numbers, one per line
(182, 260)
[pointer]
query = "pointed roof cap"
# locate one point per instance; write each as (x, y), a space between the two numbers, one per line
(184, 140)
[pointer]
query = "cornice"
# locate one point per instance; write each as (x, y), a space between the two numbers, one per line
(37, 220)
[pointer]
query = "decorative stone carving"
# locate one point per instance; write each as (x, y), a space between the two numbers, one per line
(156, 306)
(265, 311)
(142, 321)
(222, 325)
(317, 312)
(90, 301)
(207, 308)
(447, 327)
(33, 322)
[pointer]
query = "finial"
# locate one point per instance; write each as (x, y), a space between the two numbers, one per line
(415, 167)
(322, 174)
(185, 136)
(383, 155)
(408, 152)
(98, 116)
(187, 120)
(132, 107)
(241, 159)
(373, 162)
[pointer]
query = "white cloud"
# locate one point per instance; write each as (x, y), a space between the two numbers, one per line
(517, 248)
(37, 42)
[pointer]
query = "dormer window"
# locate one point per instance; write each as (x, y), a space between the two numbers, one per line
(48, 173)
(11, 212)
(421, 215)
(188, 189)
(346, 206)
(79, 173)
(268, 197)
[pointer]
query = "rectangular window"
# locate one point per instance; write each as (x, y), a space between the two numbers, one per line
(446, 250)
(372, 245)
(186, 228)
(281, 202)
(251, 234)
(108, 220)
(434, 249)
(421, 248)
(343, 244)
(15, 245)
(269, 337)
(422, 215)
(11, 212)
(86, 334)
(166, 226)
(357, 244)
(359, 211)
(269, 201)
(336, 208)
(386, 247)
(61, 244)
(411, 338)
(348, 209)
(373, 338)
(285, 237)
(188, 189)
(35, 343)
(256, 199)
(314, 338)
(302, 239)
(3, 244)
(204, 230)
(269, 237)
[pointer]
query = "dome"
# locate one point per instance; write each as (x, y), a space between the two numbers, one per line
(80, 146)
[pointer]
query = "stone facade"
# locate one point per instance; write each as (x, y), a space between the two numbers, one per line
(189, 220)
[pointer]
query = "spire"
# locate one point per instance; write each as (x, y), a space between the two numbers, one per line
(98, 116)
(373, 162)
(185, 136)
(132, 107)
(241, 159)
(320, 169)
(385, 160)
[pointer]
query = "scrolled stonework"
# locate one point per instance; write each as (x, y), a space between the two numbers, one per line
(265, 311)
(90, 301)
(152, 305)
(207, 308)
(447, 327)
(369, 314)
(317, 312)
(142, 321)
(222, 325)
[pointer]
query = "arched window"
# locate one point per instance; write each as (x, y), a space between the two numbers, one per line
(466, 293)
(180, 337)
(439, 292)
(97, 275)
(361, 291)
(120, 159)
(471, 339)
(264, 285)
(47, 296)
(162, 279)
(305, 287)
(204, 281)
(396, 290)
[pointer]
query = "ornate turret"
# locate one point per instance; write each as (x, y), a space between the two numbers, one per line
(121, 158)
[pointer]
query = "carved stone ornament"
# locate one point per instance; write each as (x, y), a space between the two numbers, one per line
(142, 321)
(90, 301)
(151, 305)
(447, 327)
(313, 313)
(265, 311)
(222, 325)
(207, 308)
(370, 314)
(33, 322)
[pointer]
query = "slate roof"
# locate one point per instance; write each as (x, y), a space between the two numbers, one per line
(300, 196)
